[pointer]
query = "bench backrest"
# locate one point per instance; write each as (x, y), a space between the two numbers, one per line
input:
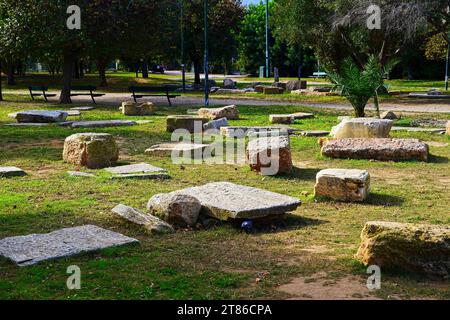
(83, 88)
(153, 89)
(38, 88)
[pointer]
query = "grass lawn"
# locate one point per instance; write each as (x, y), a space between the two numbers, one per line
(223, 262)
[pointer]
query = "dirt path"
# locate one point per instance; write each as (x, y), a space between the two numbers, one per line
(114, 99)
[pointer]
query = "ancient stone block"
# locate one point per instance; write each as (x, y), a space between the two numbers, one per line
(343, 185)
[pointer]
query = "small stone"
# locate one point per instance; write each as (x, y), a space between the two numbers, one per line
(83, 108)
(343, 185)
(92, 150)
(175, 208)
(229, 84)
(179, 149)
(376, 149)
(41, 116)
(389, 115)
(270, 155)
(315, 133)
(193, 124)
(80, 174)
(296, 85)
(229, 112)
(135, 168)
(215, 124)
(281, 118)
(7, 172)
(150, 223)
(34, 248)
(229, 201)
(419, 248)
(448, 128)
(362, 128)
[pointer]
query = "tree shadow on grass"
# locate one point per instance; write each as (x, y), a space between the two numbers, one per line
(300, 173)
(437, 159)
(378, 199)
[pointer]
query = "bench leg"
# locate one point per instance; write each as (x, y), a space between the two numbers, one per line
(93, 100)
(170, 102)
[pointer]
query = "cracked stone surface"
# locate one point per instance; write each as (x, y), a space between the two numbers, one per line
(34, 248)
(347, 185)
(225, 201)
(41, 116)
(362, 128)
(151, 223)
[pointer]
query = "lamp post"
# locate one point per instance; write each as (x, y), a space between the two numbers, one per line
(446, 68)
(267, 40)
(206, 55)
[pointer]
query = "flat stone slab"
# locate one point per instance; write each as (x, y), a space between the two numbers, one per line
(302, 115)
(6, 172)
(82, 108)
(41, 116)
(34, 248)
(225, 201)
(383, 149)
(242, 132)
(34, 124)
(166, 149)
(135, 169)
(416, 129)
(429, 96)
(315, 133)
(73, 113)
(142, 176)
(429, 123)
(80, 174)
(101, 124)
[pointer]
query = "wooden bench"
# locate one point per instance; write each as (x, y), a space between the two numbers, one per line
(155, 91)
(42, 92)
(78, 91)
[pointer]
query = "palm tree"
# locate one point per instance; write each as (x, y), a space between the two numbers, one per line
(358, 86)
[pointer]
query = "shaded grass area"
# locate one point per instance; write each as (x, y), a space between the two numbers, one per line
(223, 262)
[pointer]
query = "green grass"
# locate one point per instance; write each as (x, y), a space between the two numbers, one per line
(221, 263)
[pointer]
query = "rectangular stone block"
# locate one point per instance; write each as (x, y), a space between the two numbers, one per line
(343, 185)
(376, 149)
(6, 172)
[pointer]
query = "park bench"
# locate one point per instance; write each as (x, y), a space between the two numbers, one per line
(154, 91)
(81, 91)
(40, 91)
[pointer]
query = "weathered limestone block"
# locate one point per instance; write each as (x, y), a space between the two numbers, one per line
(150, 223)
(137, 109)
(389, 115)
(7, 172)
(362, 128)
(92, 150)
(296, 85)
(229, 112)
(41, 116)
(229, 84)
(448, 128)
(193, 124)
(270, 155)
(343, 185)
(376, 149)
(281, 118)
(216, 124)
(420, 248)
(228, 201)
(175, 208)
(273, 90)
(184, 149)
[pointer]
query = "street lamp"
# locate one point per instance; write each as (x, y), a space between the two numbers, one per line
(267, 40)
(206, 55)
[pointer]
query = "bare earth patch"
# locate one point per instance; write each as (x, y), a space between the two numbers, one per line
(319, 287)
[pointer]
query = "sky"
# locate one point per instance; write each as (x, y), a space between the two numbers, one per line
(250, 1)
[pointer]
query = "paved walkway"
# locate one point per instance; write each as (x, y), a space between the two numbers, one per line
(114, 99)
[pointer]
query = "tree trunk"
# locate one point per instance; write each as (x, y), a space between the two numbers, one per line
(197, 71)
(102, 73)
(81, 68)
(145, 70)
(76, 70)
(10, 75)
(68, 64)
(1, 95)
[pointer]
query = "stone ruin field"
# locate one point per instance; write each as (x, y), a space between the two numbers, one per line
(310, 253)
